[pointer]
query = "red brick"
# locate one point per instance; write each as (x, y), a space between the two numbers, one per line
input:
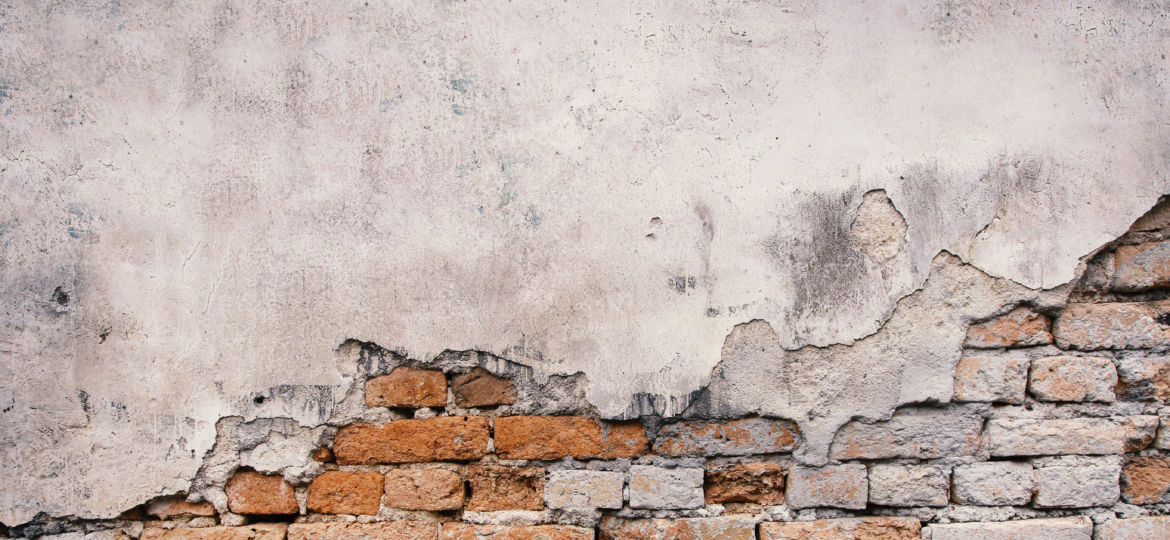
(505, 488)
(323, 455)
(730, 438)
(383, 530)
(167, 507)
(1142, 267)
(717, 528)
(1119, 325)
(451, 438)
(258, 531)
(866, 528)
(1146, 480)
(482, 389)
(408, 387)
(467, 531)
(254, 493)
(761, 483)
(1020, 327)
(337, 492)
(424, 489)
(556, 437)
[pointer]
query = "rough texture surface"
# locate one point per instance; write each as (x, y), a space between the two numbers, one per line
(869, 528)
(256, 493)
(479, 388)
(259, 531)
(1134, 529)
(584, 489)
(928, 435)
(338, 492)
(1071, 378)
(761, 483)
(719, 528)
(505, 488)
(908, 485)
(1077, 482)
(1146, 480)
(735, 438)
(1020, 327)
(1076, 528)
(998, 483)
(409, 441)
(991, 379)
(1144, 378)
(659, 487)
(406, 387)
(225, 192)
(464, 531)
(1091, 327)
(1142, 267)
(386, 530)
(554, 437)
(1028, 437)
(424, 489)
(836, 486)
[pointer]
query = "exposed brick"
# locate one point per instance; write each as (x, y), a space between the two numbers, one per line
(337, 492)
(452, 438)
(556, 437)
(323, 455)
(479, 388)
(467, 531)
(836, 486)
(1144, 378)
(908, 485)
(761, 483)
(1121, 325)
(716, 528)
(1146, 480)
(408, 387)
(1092, 436)
(254, 493)
(730, 438)
(577, 489)
(1070, 528)
(1078, 482)
(662, 488)
(383, 530)
(258, 531)
(424, 489)
(995, 483)
(866, 528)
(1020, 327)
(1072, 378)
(922, 436)
(991, 379)
(495, 487)
(1144, 528)
(1142, 267)
(167, 507)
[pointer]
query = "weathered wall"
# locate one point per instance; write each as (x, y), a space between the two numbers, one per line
(203, 202)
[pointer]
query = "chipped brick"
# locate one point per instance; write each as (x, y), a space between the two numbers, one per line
(1146, 480)
(337, 492)
(1142, 267)
(1020, 327)
(923, 436)
(407, 387)
(556, 437)
(383, 530)
(1121, 325)
(865, 528)
(761, 483)
(480, 388)
(424, 489)
(452, 438)
(505, 488)
(835, 486)
(1072, 378)
(260, 494)
(715, 528)
(991, 379)
(258, 531)
(467, 531)
(727, 438)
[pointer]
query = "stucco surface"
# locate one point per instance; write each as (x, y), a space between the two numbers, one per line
(199, 202)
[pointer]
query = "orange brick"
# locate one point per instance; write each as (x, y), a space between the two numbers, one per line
(450, 438)
(167, 507)
(407, 387)
(258, 531)
(556, 437)
(337, 492)
(482, 389)
(1020, 327)
(505, 488)
(254, 493)
(1146, 480)
(382, 530)
(467, 531)
(761, 483)
(1142, 267)
(424, 489)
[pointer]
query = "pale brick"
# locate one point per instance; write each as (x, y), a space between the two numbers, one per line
(996, 379)
(408, 387)
(995, 483)
(865, 528)
(1144, 528)
(1078, 482)
(1142, 267)
(338, 492)
(383, 530)
(760, 483)
(727, 438)
(1146, 480)
(908, 485)
(556, 437)
(1162, 440)
(716, 528)
(836, 486)
(254, 493)
(424, 489)
(1121, 325)
(451, 438)
(584, 489)
(498, 487)
(1070, 528)
(467, 531)
(923, 436)
(1144, 378)
(662, 488)
(258, 531)
(1092, 436)
(1020, 327)
(1072, 378)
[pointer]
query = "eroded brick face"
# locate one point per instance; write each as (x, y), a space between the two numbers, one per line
(407, 387)
(260, 494)
(479, 388)
(719, 528)
(1146, 480)
(453, 438)
(424, 489)
(555, 437)
(259, 531)
(1072, 378)
(884, 528)
(386, 530)
(1019, 327)
(505, 488)
(338, 492)
(467, 531)
(761, 483)
(1142, 267)
(726, 438)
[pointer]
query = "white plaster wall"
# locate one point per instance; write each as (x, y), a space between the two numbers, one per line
(226, 191)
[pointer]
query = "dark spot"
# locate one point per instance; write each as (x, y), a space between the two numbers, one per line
(84, 397)
(712, 312)
(1163, 319)
(61, 297)
(105, 333)
(258, 400)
